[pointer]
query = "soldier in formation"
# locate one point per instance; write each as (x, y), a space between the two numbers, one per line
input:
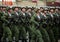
(29, 24)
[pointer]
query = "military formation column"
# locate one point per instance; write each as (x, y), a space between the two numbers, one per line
(29, 24)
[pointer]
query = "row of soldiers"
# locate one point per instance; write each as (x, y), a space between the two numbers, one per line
(29, 24)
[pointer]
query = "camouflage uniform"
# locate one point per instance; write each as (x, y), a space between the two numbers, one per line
(44, 33)
(7, 34)
(34, 30)
(49, 27)
(56, 28)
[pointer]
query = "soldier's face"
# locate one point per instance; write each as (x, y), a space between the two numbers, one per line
(56, 10)
(23, 9)
(41, 9)
(38, 11)
(16, 9)
(29, 10)
(0, 9)
(4, 9)
(51, 10)
(10, 10)
(45, 11)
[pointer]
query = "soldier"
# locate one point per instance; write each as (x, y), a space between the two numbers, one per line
(7, 34)
(1, 24)
(34, 28)
(59, 23)
(28, 24)
(22, 28)
(56, 22)
(31, 28)
(58, 15)
(13, 18)
(43, 31)
(50, 25)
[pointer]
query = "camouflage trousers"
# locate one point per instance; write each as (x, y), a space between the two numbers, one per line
(7, 34)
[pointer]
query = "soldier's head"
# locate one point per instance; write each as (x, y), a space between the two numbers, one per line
(23, 9)
(10, 10)
(29, 9)
(45, 10)
(56, 10)
(38, 11)
(16, 9)
(41, 8)
(4, 8)
(0, 8)
(19, 8)
(52, 10)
